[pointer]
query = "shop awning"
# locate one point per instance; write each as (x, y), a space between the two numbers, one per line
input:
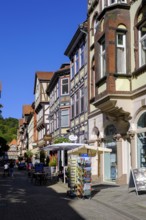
(62, 146)
(87, 149)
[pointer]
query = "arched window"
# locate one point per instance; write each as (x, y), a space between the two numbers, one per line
(141, 140)
(121, 49)
(142, 121)
(94, 23)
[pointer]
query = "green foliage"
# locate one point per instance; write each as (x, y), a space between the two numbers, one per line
(28, 154)
(53, 161)
(59, 140)
(8, 128)
(3, 146)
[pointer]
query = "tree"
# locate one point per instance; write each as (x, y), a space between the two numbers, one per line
(3, 146)
(1, 111)
(8, 128)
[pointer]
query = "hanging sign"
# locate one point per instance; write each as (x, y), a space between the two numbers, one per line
(73, 137)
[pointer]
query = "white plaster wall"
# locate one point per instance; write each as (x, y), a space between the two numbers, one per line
(122, 84)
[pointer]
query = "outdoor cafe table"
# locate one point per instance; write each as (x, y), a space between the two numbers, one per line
(38, 177)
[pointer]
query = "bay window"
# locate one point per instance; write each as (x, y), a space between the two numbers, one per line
(121, 52)
(64, 118)
(103, 59)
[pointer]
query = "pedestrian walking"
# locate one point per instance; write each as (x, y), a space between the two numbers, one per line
(11, 168)
(6, 169)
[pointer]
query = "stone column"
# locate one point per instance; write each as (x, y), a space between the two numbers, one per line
(131, 137)
(120, 177)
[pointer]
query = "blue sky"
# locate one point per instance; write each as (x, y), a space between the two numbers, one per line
(34, 35)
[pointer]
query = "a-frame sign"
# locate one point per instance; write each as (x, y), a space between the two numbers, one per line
(137, 179)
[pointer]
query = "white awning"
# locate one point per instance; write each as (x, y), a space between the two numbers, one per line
(62, 146)
(87, 149)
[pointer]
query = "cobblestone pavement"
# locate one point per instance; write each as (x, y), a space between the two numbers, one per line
(21, 199)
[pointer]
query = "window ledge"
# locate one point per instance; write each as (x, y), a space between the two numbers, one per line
(139, 70)
(103, 79)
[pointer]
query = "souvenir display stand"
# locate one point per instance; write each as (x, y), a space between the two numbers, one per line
(83, 176)
(72, 164)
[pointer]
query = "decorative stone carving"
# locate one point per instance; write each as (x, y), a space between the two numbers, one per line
(131, 134)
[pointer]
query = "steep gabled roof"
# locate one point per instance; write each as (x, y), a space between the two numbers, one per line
(27, 109)
(13, 142)
(45, 76)
(64, 70)
(20, 122)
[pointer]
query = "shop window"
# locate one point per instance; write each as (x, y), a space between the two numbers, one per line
(110, 159)
(141, 141)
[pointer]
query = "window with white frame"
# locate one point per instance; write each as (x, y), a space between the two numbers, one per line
(76, 62)
(95, 23)
(92, 83)
(77, 103)
(57, 90)
(64, 86)
(121, 52)
(110, 2)
(72, 107)
(104, 4)
(64, 118)
(82, 99)
(103, 60)
(72, 69)
(82, 55)
(57, 119)
(142, 45)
